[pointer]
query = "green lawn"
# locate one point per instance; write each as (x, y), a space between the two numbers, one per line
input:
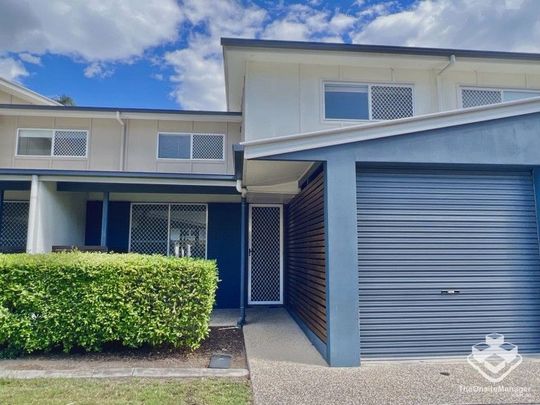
(122, 391)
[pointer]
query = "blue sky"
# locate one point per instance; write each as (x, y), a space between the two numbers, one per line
(166, 53)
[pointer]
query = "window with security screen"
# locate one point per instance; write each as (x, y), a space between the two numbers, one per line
(14, 226)
(356, 101)
(169, 229)
(70, 143)
(191, 146)
(52, 142)
(475, 96)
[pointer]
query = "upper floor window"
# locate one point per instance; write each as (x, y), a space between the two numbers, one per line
(191, 146)
(354, 101)
(475, 97)
(52, 142)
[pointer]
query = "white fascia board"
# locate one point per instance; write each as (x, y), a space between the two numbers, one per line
(112, 115)
(137, 180)
(383, 129)
(26, 94)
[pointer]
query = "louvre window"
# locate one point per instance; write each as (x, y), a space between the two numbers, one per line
(346, 101)
(52, 142)
(191, 146)
(475, 97)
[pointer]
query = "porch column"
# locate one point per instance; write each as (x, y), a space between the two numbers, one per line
(343, 342)
(104, 218)
(33, 216)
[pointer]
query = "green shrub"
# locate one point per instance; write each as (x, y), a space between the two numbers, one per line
(85, 300)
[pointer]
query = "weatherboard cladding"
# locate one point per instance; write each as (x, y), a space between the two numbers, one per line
(423, 232)
(306, 270)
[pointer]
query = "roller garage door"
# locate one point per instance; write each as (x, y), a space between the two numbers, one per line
(444, 259)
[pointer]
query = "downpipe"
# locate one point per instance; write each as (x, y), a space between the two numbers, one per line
(243, 217)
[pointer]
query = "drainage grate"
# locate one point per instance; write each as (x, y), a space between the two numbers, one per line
(220, 361)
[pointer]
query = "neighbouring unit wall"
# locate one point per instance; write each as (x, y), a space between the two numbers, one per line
(306, 270)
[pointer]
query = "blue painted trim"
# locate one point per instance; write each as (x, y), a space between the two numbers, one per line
(15, 185)
(145, 188)
(341, 237)
(104, 218)
(313, 338)
(1, 213)
(99, 173)
(217, 114)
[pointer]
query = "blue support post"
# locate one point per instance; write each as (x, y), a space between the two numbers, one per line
(343, 343)
(1, 215)
(243, 253)
(104, 218)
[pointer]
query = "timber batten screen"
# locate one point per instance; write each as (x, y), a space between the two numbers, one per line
(306, 268)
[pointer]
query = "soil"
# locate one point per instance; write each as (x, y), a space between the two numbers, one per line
(222, 340)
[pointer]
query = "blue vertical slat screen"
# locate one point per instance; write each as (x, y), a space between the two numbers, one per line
(420, 233)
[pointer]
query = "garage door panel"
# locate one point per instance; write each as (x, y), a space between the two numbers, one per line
(420, 233)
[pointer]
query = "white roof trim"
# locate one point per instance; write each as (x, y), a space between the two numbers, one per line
(26, 94)
(383, 129)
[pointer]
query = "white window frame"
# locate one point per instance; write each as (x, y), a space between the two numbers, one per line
(369, 85)
(501, 90)
(168, 204)
(53, 136)
(191, 135)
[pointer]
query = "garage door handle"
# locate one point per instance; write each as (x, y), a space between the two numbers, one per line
(449, 292)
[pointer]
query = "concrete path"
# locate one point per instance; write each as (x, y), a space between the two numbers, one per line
(286, 369)
(126, 372)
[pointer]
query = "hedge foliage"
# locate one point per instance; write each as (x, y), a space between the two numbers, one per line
(86, 300)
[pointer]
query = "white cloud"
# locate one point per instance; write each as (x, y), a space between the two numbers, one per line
(29, 58)
(12, 69)
(479, 24)
(303, 23)
(198, 77)
(93, 31)
(99, 70)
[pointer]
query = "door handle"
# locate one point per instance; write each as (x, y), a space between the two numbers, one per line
(450, 292)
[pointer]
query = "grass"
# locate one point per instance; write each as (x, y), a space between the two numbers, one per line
(123, 391)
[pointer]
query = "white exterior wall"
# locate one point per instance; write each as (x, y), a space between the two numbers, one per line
(59, 220)
(287, 98)
(105, 148)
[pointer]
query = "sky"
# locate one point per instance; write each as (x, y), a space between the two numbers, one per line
(167, 53)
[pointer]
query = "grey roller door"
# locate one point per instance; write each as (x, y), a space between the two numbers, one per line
(421, 233)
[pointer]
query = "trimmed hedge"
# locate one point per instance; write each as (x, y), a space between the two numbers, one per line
(86, 300)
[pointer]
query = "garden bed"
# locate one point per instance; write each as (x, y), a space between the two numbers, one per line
(222, 340)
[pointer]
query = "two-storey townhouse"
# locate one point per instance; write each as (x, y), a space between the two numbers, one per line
(386, 196)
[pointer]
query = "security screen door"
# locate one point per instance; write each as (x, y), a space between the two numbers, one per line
(265, 284)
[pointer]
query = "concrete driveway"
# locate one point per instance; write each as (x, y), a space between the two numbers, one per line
(286, 369)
